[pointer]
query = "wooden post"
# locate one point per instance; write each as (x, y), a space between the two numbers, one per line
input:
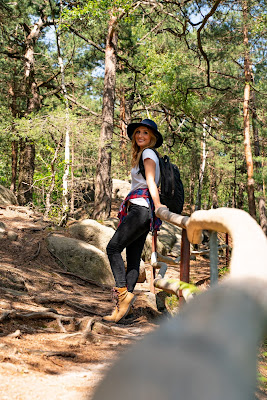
(185, 261)
(213, 258)
(152, 270)
(227, 249)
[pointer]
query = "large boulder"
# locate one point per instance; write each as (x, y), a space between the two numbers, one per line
(120, 188)
(81, 258)
(7, 197)
(99, 235)
(92, 232)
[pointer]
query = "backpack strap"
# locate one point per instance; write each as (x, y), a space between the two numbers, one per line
(141, 163)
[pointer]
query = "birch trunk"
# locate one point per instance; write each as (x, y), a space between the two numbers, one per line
(65, 178)
(202, 168)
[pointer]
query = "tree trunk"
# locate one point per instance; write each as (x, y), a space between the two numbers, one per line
(14, 145)
(248, 80)
(52, 182)
(103, 184)
(258, 164)
(262, 212)
(202, 169)
(255, 130)
(123, 128)
(27, 149)
(241, 190)
(126, 105)
(26, 171)
(14, 150)
(72, 174)
(193, 178)
(213, 186)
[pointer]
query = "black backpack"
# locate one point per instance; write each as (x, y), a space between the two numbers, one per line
(171, 186)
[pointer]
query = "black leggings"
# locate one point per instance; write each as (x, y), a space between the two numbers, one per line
(131, 234)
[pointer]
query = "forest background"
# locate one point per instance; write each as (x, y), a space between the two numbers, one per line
(74, 74)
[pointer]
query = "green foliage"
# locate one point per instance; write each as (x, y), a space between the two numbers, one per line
(162, 74)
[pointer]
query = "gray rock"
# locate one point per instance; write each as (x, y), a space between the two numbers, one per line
(81, 258)
(111, 223)
(7, 197)
(92, 232)
(120, 188)
(142, 272)
(2, 230)
(99, 235)
(11, 235)
(168, 235)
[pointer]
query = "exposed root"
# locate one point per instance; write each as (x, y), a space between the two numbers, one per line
(60, 300)
(65, 354)
(34, 315)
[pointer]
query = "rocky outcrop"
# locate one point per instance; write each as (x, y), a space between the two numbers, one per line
(7, 197)
(81, 258)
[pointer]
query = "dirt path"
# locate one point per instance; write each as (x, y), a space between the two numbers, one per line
(53, 343)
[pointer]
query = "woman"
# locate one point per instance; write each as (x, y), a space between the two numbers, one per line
(136, 215)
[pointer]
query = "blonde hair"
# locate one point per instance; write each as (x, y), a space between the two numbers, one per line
(136, 151)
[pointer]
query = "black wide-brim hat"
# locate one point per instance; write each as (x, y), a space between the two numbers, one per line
(148, 123)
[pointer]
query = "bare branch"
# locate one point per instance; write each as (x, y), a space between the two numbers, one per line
(210, 13)
(81, 105)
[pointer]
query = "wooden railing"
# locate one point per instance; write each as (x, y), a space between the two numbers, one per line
(209, 350)
(175, 286)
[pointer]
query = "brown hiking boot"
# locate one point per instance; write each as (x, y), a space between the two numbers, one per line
(120, 295)
(112, 317)
(125, 301)
(117, 294)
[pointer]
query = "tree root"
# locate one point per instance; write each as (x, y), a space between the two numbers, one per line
(72, 304)
(95, 330)
(64, 354)
(92, 329)
(81, 278)
(13, 314)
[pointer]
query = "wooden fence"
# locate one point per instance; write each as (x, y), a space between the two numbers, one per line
(209, 350)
